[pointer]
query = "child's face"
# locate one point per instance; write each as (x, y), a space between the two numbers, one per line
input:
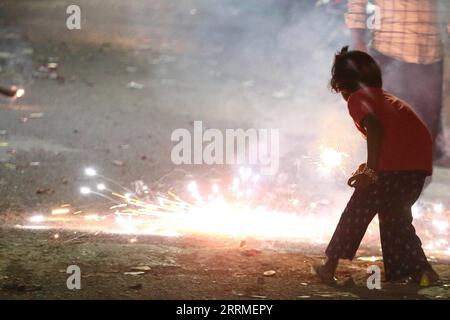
(345, 95)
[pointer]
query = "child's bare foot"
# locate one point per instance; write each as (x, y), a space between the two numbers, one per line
(427, 278)
(324, 274)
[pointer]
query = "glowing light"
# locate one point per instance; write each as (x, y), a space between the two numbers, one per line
(85, 190)
(441, 225)
(37, 218)
(193, 189)
(20, 92)
(128, 196)
(330, 159)
(60, 211)
(91, 217)
(256, 178)
(415, 211)
(90, 172)
(245, 173)
(27, 227)
(235, 185)
(240, 209)
(438, 207)
(56, 236)
(370, 259)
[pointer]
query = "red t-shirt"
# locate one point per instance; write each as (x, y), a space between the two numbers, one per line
(406, 143)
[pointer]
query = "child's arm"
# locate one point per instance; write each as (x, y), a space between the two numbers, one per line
(374, 133)
(374, 139)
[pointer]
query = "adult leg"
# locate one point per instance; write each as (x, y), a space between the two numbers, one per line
(425, 94)
(421, 86)
(394, 75)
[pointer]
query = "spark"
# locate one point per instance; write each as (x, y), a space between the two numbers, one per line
(90, 172)
(440, 225)
(329, 160)
(85, 190)
(20, 92)
(438, 207)
(91, 217)
(370, 259)
(238, 209)
(245, 173)
(31, 227)
(60, 211)
(415, 211)
(37, 218)
(12, 92)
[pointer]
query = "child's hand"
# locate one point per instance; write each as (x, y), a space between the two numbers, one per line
(360, 181)
(360, 169)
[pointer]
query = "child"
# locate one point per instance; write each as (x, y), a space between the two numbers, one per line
(399, 158)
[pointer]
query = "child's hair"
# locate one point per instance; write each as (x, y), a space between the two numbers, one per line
(353, 70)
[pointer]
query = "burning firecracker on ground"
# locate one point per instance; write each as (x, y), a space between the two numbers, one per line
(12, 92)
(197, 150)
(245, 208)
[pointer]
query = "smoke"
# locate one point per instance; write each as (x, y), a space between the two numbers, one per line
(261, 64)
(264, 64)
(257, 64)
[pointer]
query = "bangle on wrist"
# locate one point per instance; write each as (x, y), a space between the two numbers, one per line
(372, 174)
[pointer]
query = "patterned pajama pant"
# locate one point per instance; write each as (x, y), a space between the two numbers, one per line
(391, 197)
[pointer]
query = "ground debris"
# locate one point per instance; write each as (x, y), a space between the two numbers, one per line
(250, 252)
(134, 273)
(44, 191)
(348, 283)
(118, 163)
(236, 293)
(35, 115)
(257, 296)
(10, 166)
(135, 85)
(243, 244)
(141, 268)
(435, 293)
(21, 287)
(138, 286)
